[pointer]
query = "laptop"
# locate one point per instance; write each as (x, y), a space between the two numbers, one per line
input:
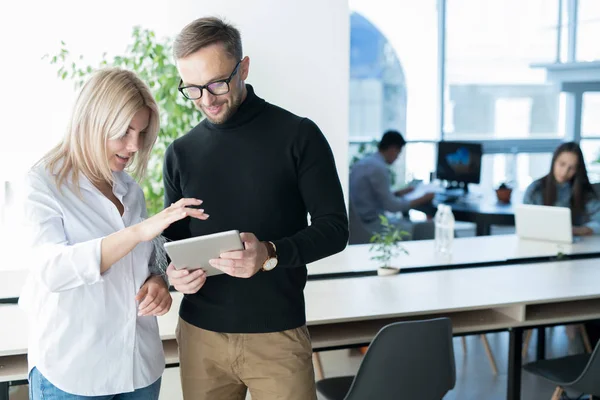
(548, 223)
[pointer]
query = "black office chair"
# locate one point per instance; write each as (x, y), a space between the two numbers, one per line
(579, 372)
(406, 360)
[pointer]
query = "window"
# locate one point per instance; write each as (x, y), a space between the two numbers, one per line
(366, 104)
(518, 170)
(490, 90)
(393, 53)
(590, 128)
(588, 30)
(420, 160)
(532, 166)
(590, 114)
(591, 154)
(563, 51)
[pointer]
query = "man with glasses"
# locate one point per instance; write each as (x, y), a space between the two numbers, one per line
(261, 170)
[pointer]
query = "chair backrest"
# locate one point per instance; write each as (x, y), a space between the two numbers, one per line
(423, 230)
(407, 360)
(596, 187)
(589, 381)
(359, 234)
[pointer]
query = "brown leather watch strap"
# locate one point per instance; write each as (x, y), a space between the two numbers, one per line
(270, 249)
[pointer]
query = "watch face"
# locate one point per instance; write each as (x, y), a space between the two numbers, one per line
(270, 264)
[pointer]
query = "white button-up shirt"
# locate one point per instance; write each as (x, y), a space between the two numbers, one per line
(84, 333)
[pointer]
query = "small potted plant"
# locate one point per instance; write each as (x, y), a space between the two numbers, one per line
(386, 246)
(503, 193)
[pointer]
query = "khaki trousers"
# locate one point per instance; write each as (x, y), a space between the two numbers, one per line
(217, 366)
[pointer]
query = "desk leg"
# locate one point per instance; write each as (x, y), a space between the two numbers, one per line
(513, 391)
(483, 229)
(3, 390)
(541, 344)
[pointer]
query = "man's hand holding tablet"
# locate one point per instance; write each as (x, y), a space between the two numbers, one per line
(191, 258)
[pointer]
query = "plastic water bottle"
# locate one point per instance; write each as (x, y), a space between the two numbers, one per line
(437, 221)
(449, 228)
(444, 229)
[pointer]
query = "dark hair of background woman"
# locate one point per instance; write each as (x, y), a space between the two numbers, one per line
(580, 183)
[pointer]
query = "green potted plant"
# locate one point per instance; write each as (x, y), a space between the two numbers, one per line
(150, 58)
(386, 246)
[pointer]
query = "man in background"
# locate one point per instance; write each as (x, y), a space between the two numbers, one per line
(371, 181)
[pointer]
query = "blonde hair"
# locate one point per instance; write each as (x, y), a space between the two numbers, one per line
(103, 111)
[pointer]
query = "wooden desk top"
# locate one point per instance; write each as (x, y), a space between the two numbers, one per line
(356, 258)
(521, 294)
(13, 335)
(11, 282)
(470, 250)
(355, 299)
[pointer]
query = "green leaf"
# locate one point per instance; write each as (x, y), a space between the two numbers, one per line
(386, 244)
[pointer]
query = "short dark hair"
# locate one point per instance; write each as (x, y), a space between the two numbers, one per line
(391, 139)
(205, 32)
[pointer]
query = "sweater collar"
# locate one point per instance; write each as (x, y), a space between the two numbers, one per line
(250, 108)
(565, 186)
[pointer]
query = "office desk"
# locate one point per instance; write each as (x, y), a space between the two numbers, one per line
(349, 312)
(467, 252)
(344, 313)
(11, 282)
(355, 259)
(485, 211)
(13, 343)
(484, 215)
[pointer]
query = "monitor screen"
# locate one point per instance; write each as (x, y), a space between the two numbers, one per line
(459, 162)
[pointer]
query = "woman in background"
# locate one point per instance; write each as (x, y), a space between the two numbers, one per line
(567, 185)
(90, 297)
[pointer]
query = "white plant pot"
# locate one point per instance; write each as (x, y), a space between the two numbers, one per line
(385, 271)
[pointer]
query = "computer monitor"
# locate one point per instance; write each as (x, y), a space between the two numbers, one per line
(459, 162)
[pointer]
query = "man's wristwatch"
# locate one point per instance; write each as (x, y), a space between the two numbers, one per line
(271, 261)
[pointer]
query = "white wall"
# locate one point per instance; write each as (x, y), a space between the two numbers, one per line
(298, 51)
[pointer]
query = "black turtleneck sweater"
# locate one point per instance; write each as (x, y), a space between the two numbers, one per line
(262, 171)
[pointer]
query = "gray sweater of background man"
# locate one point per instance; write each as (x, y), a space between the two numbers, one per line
(370, 189)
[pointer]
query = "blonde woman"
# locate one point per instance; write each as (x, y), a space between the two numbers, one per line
(91, 299)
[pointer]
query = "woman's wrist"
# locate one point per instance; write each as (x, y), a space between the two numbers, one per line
(160, 279)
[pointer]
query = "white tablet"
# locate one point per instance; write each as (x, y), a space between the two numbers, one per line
(194, 253)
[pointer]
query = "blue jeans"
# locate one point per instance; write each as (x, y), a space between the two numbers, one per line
(40, 388)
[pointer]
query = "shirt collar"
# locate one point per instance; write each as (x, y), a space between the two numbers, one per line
(379, 157)
(563, 186)
(121, 182)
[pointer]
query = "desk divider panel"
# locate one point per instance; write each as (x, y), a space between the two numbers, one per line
(331, 336)
(13, 368)
(171, 351)
(562, 312)
(516, 312)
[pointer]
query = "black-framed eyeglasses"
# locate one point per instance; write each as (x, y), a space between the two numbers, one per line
(217, 88)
